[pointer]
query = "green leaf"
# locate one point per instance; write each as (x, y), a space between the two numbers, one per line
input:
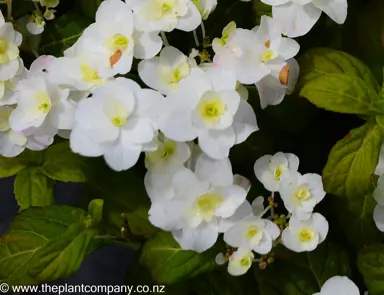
(169, 263)
(138, 222)
(30, 231)
(88, 7)
(61, 164)
(62, 33)
(355, 218)
(304, 273)
(32, 188)
(321, 61)
(62, 257)
(352, 161)
(10, 166)
(371, 265)
(95, 208)
(340, 93)
(365, 37)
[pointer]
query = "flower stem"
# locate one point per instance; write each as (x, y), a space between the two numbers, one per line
(196, 39)
(273, 208)
(203, 30)
(164, 37)
(9, 10)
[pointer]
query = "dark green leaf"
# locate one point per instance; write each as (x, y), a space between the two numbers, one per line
(30, 231)
(62, 257)
(371, 265)
(304, 273)
(317, 62)
(365, 37)
(95, 208)
(340, 93)
(88, 7)
(356, 220)
(169, 263)
(62, 33)
(60, 163)
(352, 161)
(32, 188)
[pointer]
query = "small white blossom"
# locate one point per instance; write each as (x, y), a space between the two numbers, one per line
(240, 262)
(49, 3)
(297, 17)
(165, 72)
(8, 93)
(205, 7)
(200, 200)
(305, 235)
(116, 122)
(378, 213)
(244, 55)
(340, 286)
(49, 14)
(279, 58)
(207, 106)
(168, 154)
(269, 169)
(10, 40)
(36, 23)
(301, 193)
(219, 43)
(253, 233)
(165, 15)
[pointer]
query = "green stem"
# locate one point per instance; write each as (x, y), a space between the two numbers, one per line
(164, 37)
(196, 39)
(9, 10)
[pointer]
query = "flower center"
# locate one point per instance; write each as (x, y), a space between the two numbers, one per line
(306, 235)
(246, 261)
(164, 152)
(278, 173)
(207, 204)
(43, 100)
(211, 109)
(302, 193)
(268, 55)
(90, 75)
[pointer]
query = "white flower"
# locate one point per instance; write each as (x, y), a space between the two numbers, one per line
(380, 165)
(253, 233)
(13, 143)
(301, 236)
(116, 122)
(205, 7)
(81, 71)
(165, 15)
(42, 105)
(240, 262)
(269, 169)
(244, 55)
(207, 106)
(219, 43)
(378, 213)
(297, 17)
(8, 93)
(164, 73)
(9, 51)
(279, 58)
(36, 23)
(113, 37)
(340, 286)
(301, 193)
(200, 200)
(168, 154)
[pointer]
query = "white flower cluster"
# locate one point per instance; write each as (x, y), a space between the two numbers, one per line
(82, 96)
(249, 232)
